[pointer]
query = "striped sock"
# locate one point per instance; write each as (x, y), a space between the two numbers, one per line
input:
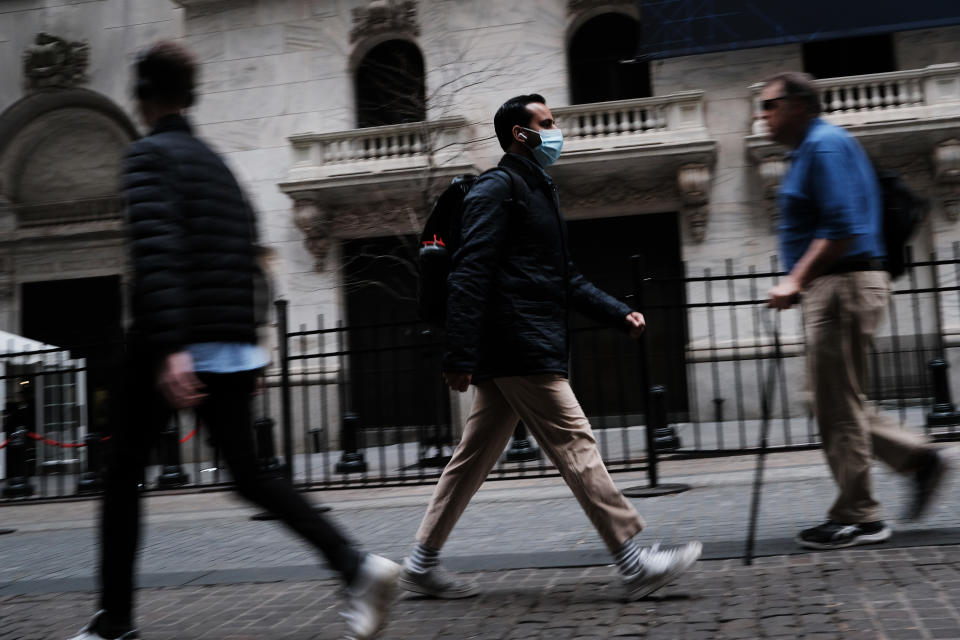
(628, 558)
(422, 559)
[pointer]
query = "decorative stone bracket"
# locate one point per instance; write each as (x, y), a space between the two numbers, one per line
(694, 183)
(314, 222)
(772, 169)
(946, 159)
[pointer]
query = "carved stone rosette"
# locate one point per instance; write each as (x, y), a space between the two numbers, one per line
(55, 62)
(694, 183)
(946, 159)
(385, 16)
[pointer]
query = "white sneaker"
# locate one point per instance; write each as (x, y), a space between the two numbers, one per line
(88, 633)
(659, 567)
(370, 597)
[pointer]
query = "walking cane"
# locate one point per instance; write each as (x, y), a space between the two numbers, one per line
(766, 408)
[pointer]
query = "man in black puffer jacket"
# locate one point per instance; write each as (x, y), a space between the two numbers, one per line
(192, 343)
(510, 290)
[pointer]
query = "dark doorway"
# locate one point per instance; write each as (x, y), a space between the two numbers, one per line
(849, 56)
(394, 365)
(390, 85)
(608, 383)
(85, 316)
(601, 62)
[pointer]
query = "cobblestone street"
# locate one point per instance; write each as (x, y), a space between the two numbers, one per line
(208, 571)
(853, 595)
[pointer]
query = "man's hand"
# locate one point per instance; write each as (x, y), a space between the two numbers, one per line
(784, 294)
(636, 323)
(458, 381)
(177, 381)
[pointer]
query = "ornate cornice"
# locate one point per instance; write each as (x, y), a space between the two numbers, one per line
(55, 62)
(385, 16)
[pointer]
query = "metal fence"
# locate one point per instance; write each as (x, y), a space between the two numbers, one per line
(348, 406)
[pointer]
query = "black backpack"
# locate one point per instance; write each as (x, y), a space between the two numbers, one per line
(902, 211)
(440, 240)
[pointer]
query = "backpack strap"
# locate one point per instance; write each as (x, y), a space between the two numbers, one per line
(518, 187)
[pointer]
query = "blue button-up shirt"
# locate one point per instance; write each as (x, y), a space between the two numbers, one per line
(227, 357)
(830, 191)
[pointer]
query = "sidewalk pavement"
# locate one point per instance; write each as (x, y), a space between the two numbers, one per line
(208, 571)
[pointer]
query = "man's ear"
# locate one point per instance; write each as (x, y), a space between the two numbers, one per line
(518, 133)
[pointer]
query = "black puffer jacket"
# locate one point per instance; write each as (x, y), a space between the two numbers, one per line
(192, 241)
(512, 282)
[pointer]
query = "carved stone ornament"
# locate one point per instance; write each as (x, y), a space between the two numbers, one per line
(772, 169)
(947, 167)
(385, 16)
(694, 183)
(55, 62)
(615, 191)
(312, 221)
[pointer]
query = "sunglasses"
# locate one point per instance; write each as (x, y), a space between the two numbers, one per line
(770, 103)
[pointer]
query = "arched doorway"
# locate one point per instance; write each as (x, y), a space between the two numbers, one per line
(390, 85)
(600, 60)
(61, 151)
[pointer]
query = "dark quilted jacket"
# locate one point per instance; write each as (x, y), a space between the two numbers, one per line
(192, 237)
(513, 283)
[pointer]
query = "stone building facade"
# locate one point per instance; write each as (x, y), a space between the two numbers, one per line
(677, 168)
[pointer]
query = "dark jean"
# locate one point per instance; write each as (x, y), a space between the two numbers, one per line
(226, 415)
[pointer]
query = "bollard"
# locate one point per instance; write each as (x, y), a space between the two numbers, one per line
(92, 480)
(943, 414)
(18, 484)
(665, 437)
(266, 450)
(172, 474)
(520, 448)
(718, 410)
(352, 459)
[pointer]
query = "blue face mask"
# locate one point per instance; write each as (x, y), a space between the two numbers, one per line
(551, 144)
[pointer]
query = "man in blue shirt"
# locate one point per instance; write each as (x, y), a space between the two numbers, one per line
(831, 242)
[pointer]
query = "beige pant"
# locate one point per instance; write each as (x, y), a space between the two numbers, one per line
(550, 411)
(841, 314)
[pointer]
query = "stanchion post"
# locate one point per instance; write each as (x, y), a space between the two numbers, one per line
(521, 450)
(943, 413)
(285, 399)
(654, 403)
(18, 483)
(172, 474)
(352, 460)
(91, 480)
(266, 449)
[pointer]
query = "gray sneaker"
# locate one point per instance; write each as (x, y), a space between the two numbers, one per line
(436, 583)
(659, 567)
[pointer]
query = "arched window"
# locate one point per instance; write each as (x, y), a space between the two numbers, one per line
(600, 61)
(390, 85)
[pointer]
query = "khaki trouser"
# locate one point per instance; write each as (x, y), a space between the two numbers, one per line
(841, 314)
(550, 411)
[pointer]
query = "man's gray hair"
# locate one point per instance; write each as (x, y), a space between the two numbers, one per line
(797, 84)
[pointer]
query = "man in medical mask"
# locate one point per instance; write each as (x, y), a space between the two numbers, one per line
(510, 289)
